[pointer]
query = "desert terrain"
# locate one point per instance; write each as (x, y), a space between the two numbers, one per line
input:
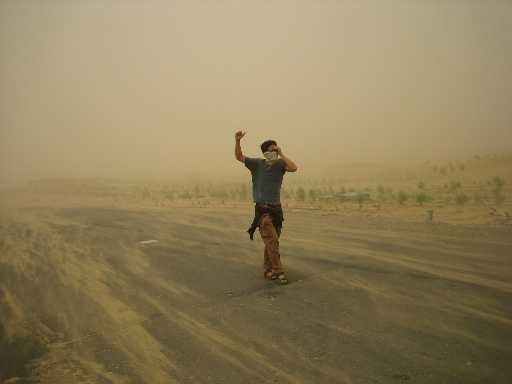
(377, 293)
(124, 203)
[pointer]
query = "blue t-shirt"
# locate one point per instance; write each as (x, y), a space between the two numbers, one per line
(266, 179)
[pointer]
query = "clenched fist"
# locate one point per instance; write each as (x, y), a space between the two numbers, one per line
(239, 135)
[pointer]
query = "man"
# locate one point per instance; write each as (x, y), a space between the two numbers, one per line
(267, 177)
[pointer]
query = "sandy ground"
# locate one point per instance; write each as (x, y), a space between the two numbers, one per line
(370, 300)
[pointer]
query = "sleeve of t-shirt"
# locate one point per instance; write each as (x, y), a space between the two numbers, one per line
(251, 163)
(283, 164)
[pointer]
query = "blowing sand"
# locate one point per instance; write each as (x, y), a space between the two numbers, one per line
(371, 299)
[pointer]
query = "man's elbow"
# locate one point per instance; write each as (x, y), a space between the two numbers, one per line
(292, 169)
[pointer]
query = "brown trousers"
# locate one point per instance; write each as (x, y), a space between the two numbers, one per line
(272, 257)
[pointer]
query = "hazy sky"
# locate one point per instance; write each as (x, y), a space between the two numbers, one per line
(131, 88)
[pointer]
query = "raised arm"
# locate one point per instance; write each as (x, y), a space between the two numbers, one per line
(238, 149)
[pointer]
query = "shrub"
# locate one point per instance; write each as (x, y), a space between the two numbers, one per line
(185, 195)
(360, 199)
(498, 182)
(422, 197)
(243, 192)
(381, 192)
(301, 194)
(461, 198)
(169, 195)
(402, 197)
(497, 191)
(454, 185)
(312, 194)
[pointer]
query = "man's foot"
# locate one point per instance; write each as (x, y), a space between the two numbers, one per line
(268, 275)
(279, 278)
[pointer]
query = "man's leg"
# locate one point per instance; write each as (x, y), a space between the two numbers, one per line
(271, 240)
(267, 265)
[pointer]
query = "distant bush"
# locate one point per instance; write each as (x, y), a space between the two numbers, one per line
(361, 197)
(454, 185)
(421, 185)
(381, 192)
(497, 191)
(185, 195)
(313, 194)
(498, 182)
(422, 197)
(300, 194)
(402, 197)
(243, 192)
(169, 195)
(461, 198)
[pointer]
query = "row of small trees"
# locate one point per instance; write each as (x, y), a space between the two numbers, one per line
(491, 191)
(451, 167)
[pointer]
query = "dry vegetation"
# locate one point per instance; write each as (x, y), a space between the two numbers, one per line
(478, 190)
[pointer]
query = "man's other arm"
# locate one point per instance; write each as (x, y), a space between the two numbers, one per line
(290, 166)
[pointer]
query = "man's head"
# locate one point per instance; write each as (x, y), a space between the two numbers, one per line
(268, 146)
(269, 149)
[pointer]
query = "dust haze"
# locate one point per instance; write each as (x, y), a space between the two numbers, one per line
(132, 89)
(124, 256)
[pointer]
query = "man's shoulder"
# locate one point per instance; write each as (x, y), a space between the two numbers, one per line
(252, 163)
(253, 160)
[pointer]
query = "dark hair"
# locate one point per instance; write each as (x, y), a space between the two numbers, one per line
(267, 144)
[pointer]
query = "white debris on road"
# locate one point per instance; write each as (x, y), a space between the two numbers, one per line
(146, 242)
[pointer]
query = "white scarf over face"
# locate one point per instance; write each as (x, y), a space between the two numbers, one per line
(270, 155)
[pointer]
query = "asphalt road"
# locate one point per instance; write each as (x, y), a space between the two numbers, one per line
(370, 300)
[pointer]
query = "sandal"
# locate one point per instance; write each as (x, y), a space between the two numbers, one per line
(279, 278)
(268, 275)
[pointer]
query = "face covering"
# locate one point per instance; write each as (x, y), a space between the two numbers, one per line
(270, 155)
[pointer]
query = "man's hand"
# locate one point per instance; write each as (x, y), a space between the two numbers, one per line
(290, 166)
(239, 135)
